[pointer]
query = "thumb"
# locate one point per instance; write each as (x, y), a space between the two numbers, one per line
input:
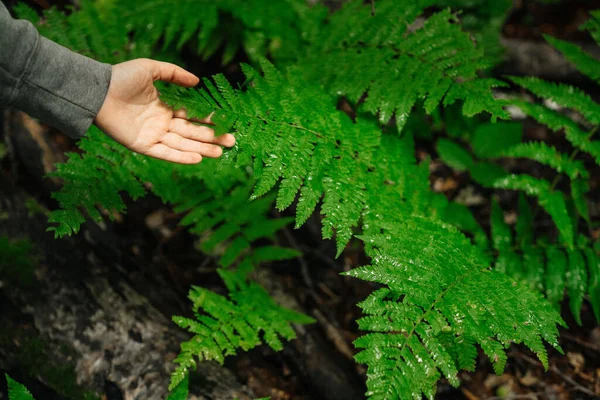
(166, 72)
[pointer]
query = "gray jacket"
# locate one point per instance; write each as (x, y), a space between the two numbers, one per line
(47, 81)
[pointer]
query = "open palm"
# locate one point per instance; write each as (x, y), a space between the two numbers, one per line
(134, 116)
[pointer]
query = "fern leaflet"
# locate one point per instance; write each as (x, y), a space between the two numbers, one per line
(228, 325)
(17, 391)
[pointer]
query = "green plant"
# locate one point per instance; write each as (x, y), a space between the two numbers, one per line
(569, 264)
(296, 147)
(17, 260)
(232, 324)
(17, 391)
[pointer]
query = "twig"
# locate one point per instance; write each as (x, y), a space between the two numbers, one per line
(580, 342)
(372, 7)
(533, 396)
(333, 334)
(303, 265)
(576, 386)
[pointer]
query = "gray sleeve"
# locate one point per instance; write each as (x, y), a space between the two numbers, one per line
(62, 88)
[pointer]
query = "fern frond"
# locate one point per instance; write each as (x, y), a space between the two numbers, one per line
(548, 155)
(547, 268)
(577, 282)
(579, 138)
(316, 164)
(594, 282)
(17, 391)
(91, 32)
(250, 318)
(579, 187)
(180, 392)
(454, 155)
(436, 63)
(485, 19)
(592, 25)
(95, 179)
(563, 95)
(490, 140)
(428, 271)
(583, 61)
(553, 202)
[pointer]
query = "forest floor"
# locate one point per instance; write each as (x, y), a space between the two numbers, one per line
(151, 248)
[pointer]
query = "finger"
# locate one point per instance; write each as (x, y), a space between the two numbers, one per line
(227, 140)
(192, 131)
(167, 72)
(204, 134)
(178, 142)
(205, 120)
(166, 153)
(181, 113)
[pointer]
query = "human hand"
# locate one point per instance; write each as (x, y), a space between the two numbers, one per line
(133, 115)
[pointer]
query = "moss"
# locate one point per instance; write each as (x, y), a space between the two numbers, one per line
(17, 261)
(33, 356)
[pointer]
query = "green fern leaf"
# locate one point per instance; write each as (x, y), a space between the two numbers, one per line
(524, 225)
(556, 121)
(317, 162)
(507, 261)
(490, 140)
(180, 392)
(228, 325)
(501, 235)
(454, 155)
(548, 155)
(579, 187)
(398, 70)
(555, 275)
(583, 61)
(17, 391)
(535, 267)
(577, 281)
(594, 282)
(563, 95)
(486, 173)
(94, 31)
(426, 269)
(552, 202)
(592, 25)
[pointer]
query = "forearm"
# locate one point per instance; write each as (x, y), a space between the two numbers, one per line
(48, 81)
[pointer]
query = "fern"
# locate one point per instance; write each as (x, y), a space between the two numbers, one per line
(17, 391)
(422, 327)
(563, 95)
(434, 257)
(229, 325)
(317, 163)
(435, 63)
(548, 268)
(294, 142)
(97, 29)
(17, 260)
(583, 61)
(549, 156)
(485, 19)
(553, 202)
(180, 392)
(93, 33)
